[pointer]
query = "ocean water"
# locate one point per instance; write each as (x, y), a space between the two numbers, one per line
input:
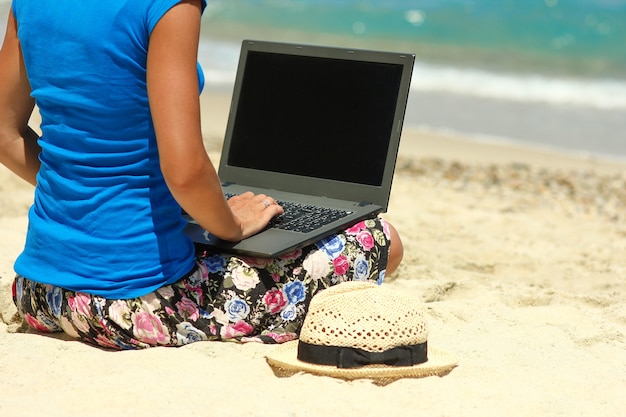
(547, 73)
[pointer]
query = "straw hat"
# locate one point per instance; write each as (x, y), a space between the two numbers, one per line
(359, 330)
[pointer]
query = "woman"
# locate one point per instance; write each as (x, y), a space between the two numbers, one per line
(121, 151)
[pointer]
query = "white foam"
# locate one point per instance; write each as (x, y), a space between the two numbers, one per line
(5, 6)
(604, 94)
(219, 60)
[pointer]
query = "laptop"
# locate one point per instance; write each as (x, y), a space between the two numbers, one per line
(315, 126)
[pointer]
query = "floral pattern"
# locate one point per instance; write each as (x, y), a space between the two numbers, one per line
(225, 298)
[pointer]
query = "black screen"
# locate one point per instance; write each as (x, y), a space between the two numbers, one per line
(318, 117)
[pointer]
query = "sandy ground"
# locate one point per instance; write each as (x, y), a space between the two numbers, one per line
(518, 255)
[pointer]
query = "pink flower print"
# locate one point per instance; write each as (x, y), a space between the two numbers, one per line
(317, 265)
(292, 255)
(356, 228)
(34, 323)
(149, 329)
(80, 323)
(204, 271)
(241, 328)
(245, 278)
(341, 265)
(386, 229)
(275, 276)
(106, 343)
(151, 302)
(366, 240)
(220, 316)
(274, 300)
(68, 328)
(282, 337)
(196, 291)
(188, 309)
(260, 263)
(166, 292)
(80, 304)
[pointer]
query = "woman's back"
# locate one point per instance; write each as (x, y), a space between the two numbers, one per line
(103, 219)
(106, 260)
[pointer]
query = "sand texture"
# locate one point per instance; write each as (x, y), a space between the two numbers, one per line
(518, 254)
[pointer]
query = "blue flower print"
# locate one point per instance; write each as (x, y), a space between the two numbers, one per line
(100, 304)
(123, 344)
(47, 321)
(215, 263)
(332, 245)
(186, 333)
(361, 269)
(237, 309)
(54, 297)
(19, 288)
(381, 277)
(295, 291)
(230, 304)
(288, 313)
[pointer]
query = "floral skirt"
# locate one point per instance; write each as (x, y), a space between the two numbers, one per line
(225, 297)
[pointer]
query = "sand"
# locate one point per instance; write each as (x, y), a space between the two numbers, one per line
(518, 255)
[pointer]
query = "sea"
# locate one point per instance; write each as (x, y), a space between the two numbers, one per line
(543, 73)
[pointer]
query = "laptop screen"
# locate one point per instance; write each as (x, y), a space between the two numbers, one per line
(315, 116)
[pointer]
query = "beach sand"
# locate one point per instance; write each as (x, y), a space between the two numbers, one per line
(518, 255)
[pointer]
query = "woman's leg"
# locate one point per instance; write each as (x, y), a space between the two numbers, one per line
(36, 304)
(226, 297)
(396, 250)
(266, 299)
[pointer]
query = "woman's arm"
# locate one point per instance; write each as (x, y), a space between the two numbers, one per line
(19, 150)
(175, 105)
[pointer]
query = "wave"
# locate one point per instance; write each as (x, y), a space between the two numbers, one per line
(5, 6)
(219, 60)
(598, 93)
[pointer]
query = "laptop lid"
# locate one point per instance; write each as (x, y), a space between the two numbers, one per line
(318, 120)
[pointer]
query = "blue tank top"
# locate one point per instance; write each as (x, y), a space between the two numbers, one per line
(103, 220)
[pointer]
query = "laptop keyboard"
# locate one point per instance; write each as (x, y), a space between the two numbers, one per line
(303, 218)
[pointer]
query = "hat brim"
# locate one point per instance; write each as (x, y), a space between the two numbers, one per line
(283, 360)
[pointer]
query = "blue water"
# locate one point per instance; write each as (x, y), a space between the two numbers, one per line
(549, 73)
(566, 37)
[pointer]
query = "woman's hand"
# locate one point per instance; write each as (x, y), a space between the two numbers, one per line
(172, 81)
(254, 211)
